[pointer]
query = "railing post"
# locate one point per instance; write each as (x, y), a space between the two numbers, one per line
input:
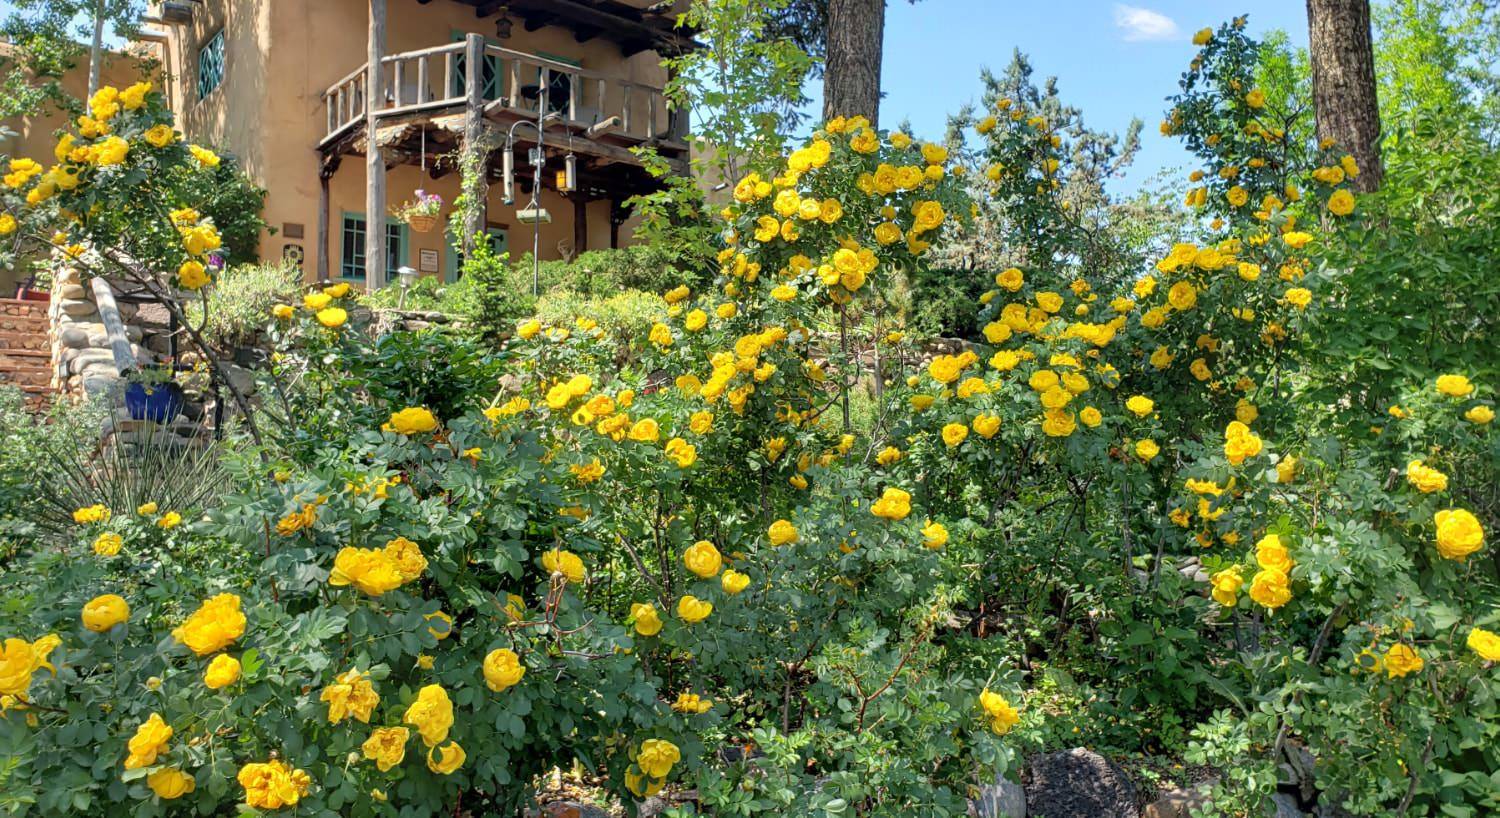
(573, 80)
(650, 114)
(625, 106)
(398, 74)
(423, 93)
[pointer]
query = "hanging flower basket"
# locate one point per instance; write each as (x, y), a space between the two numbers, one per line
(421, 213)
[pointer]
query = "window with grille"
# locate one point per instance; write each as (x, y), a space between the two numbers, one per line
(211, 65)
(352, 241)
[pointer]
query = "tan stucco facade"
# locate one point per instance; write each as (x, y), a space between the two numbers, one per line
(280, 57)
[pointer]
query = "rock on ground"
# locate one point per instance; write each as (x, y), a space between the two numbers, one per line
(1002, 799)
(1078, 783)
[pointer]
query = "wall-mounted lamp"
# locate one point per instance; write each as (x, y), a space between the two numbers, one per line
(503, 23)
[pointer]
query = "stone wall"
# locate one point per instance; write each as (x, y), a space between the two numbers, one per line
(84, 359)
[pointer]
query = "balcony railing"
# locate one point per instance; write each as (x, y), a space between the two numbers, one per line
(436, 80)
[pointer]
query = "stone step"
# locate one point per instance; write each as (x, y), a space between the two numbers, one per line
(26, 324)
(38, 376)
(24, 340)
(16, 306)
(25, 358)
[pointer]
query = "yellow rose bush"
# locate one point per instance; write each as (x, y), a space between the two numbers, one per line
(772, 524)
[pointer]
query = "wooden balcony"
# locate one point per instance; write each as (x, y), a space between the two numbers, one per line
(434, 87)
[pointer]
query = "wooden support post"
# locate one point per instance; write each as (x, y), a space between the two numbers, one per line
(324, 173)
(374, 159)
(478, 185)
(580, 224)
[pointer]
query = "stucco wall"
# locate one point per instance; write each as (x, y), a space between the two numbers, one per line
(280, 58)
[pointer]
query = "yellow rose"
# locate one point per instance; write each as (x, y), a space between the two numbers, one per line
(1424, 478)
(985, 425)
(108, 544)
(160, 136)
(647, 620)
(407, 557)
(1226, 586)
(1271, 588)
(386, 746)
(502, 669)
(1484, 643)
(1480, 415)
(934, 534)
(782, 532)
(954, 434)
(445, 759)
(150, 740)
(413, 420)
(1002, 715)
(432, 714)
(703, 559)
(170, 783)
(691, 609)
(1454, 386)
(657, 757)
(1147, 449)
(1402, 659)
(1458, 533)
(895, 504)
(352, 694)
(273, 784)
(734, 582)
(1272, 555)
(222, 672)
(371, 570)
(566, 563)
(332, 317)
(213, 627)
(1341, 203)
(1140, 405)
(1240, 443)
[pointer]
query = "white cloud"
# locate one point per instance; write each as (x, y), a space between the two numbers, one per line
(1142, 25)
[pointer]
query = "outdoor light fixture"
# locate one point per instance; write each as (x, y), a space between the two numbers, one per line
(507, 176)
(502, 24)
(567, 178)
(406, 277)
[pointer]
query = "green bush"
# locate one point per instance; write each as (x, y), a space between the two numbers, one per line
(241, 298)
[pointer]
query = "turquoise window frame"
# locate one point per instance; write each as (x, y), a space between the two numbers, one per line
(211, 65)
(395, 232)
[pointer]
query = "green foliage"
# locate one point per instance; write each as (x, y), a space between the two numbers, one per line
(624, 315)
(241, 299)
(227, 196)
(64, 427)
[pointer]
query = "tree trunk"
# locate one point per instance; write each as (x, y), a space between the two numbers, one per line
(851, 75)
(96, 48)
(1343, 77)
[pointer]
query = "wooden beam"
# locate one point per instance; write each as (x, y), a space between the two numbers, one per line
(488, 8)
(583, 34)
(323, 206)
(374, 161)
(534, 22)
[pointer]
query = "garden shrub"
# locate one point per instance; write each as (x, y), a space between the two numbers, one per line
(237, 305)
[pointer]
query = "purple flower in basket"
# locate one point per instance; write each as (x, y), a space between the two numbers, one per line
(423, 205)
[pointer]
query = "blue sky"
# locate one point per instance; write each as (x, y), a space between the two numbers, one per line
(1113, 60)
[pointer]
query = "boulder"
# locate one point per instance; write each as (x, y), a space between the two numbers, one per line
(1078, 783)
(1286, 806)
(572, 809)
(1002, 799)
(1178, 803)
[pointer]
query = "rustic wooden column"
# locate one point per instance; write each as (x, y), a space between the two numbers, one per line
(325, 171)
(374, 159)
(476, 184)
(580, 224)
